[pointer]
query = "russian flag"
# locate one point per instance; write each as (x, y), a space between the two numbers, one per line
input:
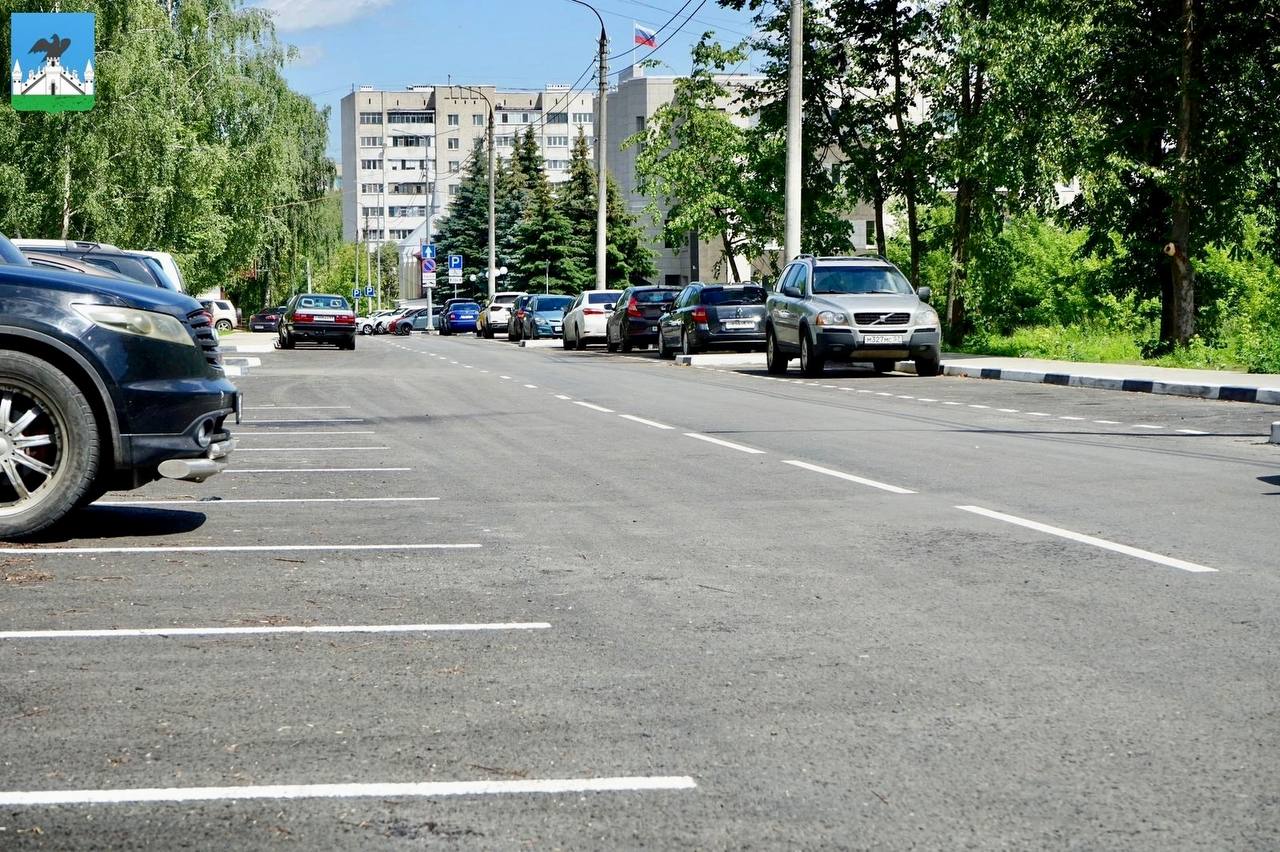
(646, 36)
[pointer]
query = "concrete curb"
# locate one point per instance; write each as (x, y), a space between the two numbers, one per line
(1275, 433)
(1230, 393)
(730, 359)
(550, 343)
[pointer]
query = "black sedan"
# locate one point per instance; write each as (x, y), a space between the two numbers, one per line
(317, 318)
(713, 316)
(267, 320)
(634, 321)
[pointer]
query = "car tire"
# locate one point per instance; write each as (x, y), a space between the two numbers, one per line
(285, 341)
(608, 342)
(775, 362)
(624, 343)
(488, 332)
(73, 462)
(366, 329)
(663, 351)
(811, 365)
(223, 325)
(883, 365)
(565, 342)
(928, 365)
(686, 347)
(579, 342)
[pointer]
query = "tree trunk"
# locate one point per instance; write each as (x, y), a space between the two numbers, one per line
(66, 191)
(906, 155)
(972, 95)
(1183, 283)
(729, 253)
(882, 246)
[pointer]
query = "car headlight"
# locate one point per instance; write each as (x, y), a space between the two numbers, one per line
(831, 318)
(150, 324)
(926, 316)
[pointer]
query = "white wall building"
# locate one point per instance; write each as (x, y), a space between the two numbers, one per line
(52, 79)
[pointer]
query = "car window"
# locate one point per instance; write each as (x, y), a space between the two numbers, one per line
(464, 306)
(653, 297)
(324, 303)
(601, 297)
(860, 279)
(551, 303)
(9, 253)
(733, 296)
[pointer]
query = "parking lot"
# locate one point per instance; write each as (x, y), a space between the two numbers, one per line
(456, 591)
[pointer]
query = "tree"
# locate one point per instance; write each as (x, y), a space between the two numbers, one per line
(465, 231)
(627, 258)
(546, 240)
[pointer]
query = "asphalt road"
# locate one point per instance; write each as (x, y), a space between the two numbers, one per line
(608, 603)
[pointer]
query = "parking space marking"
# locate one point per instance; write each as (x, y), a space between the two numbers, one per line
(302, 449)
(1108, 422)
(1192, 432)
(1091, 540)
(710, 440)
(655, 424)
(1068, 417)
(316, 470)
(322, 420)
(226, 548)
(421, 789)
(297, 408)
(221, 500)
(532, 387)
(263, 630)
(1145, 426)
(599, 408)
(240, 433)
(883, 486)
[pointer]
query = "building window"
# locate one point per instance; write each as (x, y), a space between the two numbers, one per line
(371, 187)
(454, 119)
(372, 236)
(453, 190)
(557, 141)
(639, 124)
(455, 166)
(454, 143)
(372, 212)
(371, 118)
(506, 118)
(371, 165)
(557, 118)
(409, 141)
(504, 141)
(524, 118)
(371, 141)
(401, 233)
(583, 117)
(557, 164)
(412, 117)
(477, 119)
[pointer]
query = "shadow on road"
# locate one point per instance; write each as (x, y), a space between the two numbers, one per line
(1270, 480)
(108, 522)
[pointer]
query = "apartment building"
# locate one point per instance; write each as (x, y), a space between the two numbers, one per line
(404, 152)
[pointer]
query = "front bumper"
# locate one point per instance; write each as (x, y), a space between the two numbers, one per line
(849, 344)
(200, 429)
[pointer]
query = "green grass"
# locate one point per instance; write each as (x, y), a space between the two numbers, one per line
(52, 103)
(1098, 345)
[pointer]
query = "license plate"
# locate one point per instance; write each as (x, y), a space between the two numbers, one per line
(883, 339)
(653, 329)
(738, 324)
(324, 319)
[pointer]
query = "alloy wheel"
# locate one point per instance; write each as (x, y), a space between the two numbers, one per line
(31, 458)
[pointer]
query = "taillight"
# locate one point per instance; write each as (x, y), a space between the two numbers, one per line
(346, 319)
(592, 311)
(208, 317)
(304, 318)
(700, 315)
(453, 316)
(633, 309)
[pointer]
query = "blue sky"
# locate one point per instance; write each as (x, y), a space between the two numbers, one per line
(509, 43)
(28, 28)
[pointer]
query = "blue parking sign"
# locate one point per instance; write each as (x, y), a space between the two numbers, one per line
(455, 261)
(355, 292)
(368, 291)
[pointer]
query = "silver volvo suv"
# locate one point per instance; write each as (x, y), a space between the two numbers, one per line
(857, 308)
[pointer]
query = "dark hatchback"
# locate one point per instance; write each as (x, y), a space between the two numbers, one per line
(544, 316)
(317, 318)
(634, 321)
(515, 317)
(144, 270)
(268, 320)
(713, 316)
(104, 384)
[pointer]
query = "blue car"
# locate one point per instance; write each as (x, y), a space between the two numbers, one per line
(544, 316)
(459, 316)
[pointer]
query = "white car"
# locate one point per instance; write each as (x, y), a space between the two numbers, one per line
(496, 314)
(368, 325)
(225, 315)
(382, 324)
(586, 318)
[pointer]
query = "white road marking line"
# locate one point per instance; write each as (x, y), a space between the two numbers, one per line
(951, 403)
(831, 387)
(739, 447)
(975, 405)
(1038, 414)
(1008, 410)
(1145, 426)
(240, 433)
(484, 371)
(302, 449)
(263, 630)
(1068, 417)
(468, 366)
(599, 408)
(1108, 422)
(882, 393)
(453, 362)
(1192, 432)
(532, 387)
(1088, 539)
(229, 548)
(221, 501)
(655, 424)
(325, 420)
(926, 399)
(862, 390)
(421, 789)
(316, 470)
(561, 396)
(505, 377)
(296, 407)
(904, 396)
(849, 477)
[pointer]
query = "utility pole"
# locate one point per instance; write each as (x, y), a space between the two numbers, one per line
(431, 209)
(602, 144)
(493, 245)
(795, 98)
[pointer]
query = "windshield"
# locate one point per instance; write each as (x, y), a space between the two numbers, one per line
(464, 306)
(9, 253)
(552, 303)
(859, 280)
(157, 269)
(325, 303)
(653, 297)
(602, 297)
(733, 296)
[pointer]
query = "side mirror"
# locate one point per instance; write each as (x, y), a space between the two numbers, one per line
(924, 293)
(609, 306)
(791, 292)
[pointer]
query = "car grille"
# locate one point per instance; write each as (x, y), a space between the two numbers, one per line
(201, 328)
(882, 319)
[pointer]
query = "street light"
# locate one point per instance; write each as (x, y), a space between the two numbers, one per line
(602, 190)
(493, 250)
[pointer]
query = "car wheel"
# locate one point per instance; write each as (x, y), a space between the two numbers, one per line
(775, 361)
(488, 332)
(223, 325)
(285, 341)
(883, 365)
(366, 329)
(49, 445)
(663, 351)
(351, 343)
(686, 347)
(810, 364)
(579, 342)
(608, 342)
(565, 342)
(624, 342)
(928, 365)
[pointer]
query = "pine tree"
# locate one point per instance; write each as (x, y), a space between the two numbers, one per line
(466, 230)
(545, 239)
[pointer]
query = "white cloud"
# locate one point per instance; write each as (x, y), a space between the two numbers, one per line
(309, 55)
(293, 15)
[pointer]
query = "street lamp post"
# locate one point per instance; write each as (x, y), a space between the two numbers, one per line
(493, 243)
(795, 98)
(602, 179)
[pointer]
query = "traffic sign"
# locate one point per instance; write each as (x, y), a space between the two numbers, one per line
(455, 276)
(429, 250)
(455, 262)
(355, 292)
(428, 265)
(368, 291)
(429, 279)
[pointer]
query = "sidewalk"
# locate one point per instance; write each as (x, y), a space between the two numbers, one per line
(1206, 384)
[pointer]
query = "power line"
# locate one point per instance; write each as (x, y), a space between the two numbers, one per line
(659, 30)
(717, 24)
(668, 39)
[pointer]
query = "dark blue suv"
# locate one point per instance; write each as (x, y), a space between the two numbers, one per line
(104, 384)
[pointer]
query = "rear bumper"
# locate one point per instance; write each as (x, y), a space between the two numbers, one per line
(850, 345)
(728, 339)
(322, 332)
(262, 326)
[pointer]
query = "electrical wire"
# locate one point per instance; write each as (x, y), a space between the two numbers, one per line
(660, 29)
